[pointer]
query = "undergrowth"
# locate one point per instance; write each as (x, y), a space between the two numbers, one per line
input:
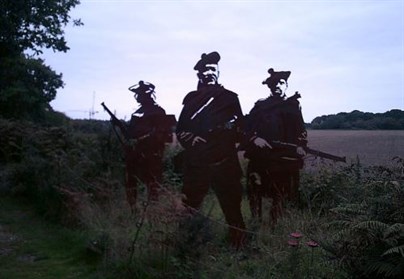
(349, 223)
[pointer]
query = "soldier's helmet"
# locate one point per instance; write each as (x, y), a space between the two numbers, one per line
(142, 88)
(274, 77)
(210, 58)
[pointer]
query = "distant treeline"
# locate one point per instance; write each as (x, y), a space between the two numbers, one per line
(390, 120)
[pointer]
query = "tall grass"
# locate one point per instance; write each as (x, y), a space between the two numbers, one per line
(78, 177)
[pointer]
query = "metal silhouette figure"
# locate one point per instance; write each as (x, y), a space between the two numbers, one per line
(144, 141)
(208, 129)
(275, 146)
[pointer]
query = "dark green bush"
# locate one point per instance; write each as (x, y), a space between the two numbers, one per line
(48, 165)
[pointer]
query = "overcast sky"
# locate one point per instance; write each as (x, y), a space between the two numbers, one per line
(343, 55)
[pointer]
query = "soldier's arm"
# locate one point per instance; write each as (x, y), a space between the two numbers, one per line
(184, 130)
(184, 136)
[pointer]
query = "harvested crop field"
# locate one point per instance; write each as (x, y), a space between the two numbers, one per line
(373, 147)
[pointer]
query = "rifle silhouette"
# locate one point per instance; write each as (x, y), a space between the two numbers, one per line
(116, 122)
(160, 124)
(309, 150)
(292, 147)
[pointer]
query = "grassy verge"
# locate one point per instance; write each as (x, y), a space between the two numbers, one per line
(32, 248)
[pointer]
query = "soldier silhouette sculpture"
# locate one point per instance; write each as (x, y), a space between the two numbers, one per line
(276, 142)
(145, 137)
(208, 130)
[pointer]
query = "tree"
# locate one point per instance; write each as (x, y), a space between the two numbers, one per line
(390, 120)
(27, 85)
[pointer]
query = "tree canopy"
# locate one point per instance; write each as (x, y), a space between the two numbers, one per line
(390, 120)
(27, 85)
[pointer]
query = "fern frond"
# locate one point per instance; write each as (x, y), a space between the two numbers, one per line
(398, 214)
(394, 250)
(398, 269)
(343, 234)
(395, 184)
(380, 267)
(371, 226)
(387, 269)
(395, 230)
(339, 224)
(350, 209)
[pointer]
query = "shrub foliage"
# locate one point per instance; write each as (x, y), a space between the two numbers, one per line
(27, 85)
(350, 219)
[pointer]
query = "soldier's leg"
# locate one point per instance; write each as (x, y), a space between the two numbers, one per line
(294, 183)
(228, 189)
(192, 226)
(153, 177)
(131, 180)
(254, 193)
(196, 185)
(278, 183)
(284, 188)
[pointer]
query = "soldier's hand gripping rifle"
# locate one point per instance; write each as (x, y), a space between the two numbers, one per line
(309, 150)
(116, 122)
